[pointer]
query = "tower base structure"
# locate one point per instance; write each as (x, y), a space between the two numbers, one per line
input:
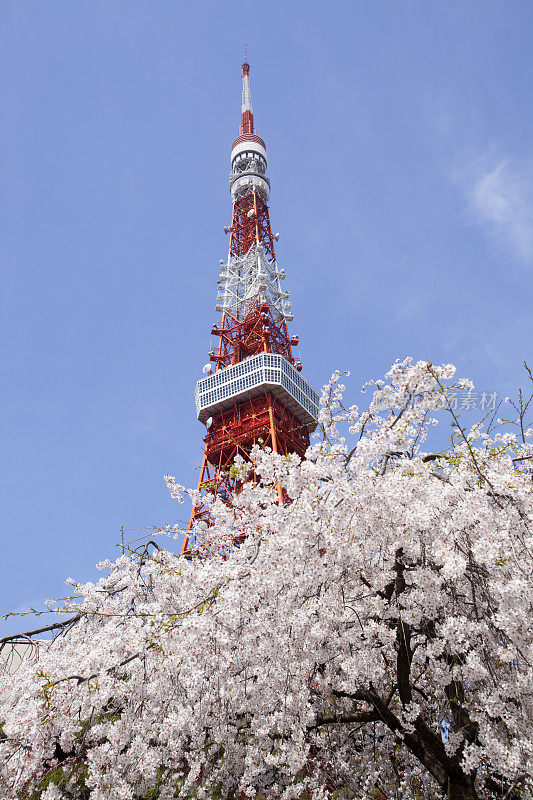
(261, 418)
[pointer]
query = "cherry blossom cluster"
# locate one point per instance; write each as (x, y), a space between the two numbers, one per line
(369, 638)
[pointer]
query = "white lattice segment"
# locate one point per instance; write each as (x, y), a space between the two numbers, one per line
(243, 281)
(254, 375)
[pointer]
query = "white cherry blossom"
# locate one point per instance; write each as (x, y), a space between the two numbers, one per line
(325, 653)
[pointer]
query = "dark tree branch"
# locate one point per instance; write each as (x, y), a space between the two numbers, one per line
(403, 638)
(345, 719)
(82, 679)
(44, 629)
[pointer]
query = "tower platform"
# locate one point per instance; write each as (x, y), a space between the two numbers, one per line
(253, 376)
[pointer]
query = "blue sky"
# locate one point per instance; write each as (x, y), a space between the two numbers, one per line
(400, 153)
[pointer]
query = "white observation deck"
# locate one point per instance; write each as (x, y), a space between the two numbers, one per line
(254, 375)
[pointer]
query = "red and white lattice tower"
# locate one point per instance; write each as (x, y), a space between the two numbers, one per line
(254, 392)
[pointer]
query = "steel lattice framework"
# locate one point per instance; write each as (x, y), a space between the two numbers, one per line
(254, 392)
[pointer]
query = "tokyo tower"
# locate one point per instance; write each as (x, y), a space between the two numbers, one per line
(253, 390)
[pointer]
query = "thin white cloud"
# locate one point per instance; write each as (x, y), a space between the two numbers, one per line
(500, 198)
(150, 418)
(415, 305)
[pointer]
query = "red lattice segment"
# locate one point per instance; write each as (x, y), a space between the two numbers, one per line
(258, 332)
(250, 226)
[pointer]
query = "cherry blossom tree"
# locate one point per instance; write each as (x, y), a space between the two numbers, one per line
(371, 638)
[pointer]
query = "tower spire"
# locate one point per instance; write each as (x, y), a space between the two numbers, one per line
(247, 110)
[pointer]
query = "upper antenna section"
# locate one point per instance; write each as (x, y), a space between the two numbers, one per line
(247, 110)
